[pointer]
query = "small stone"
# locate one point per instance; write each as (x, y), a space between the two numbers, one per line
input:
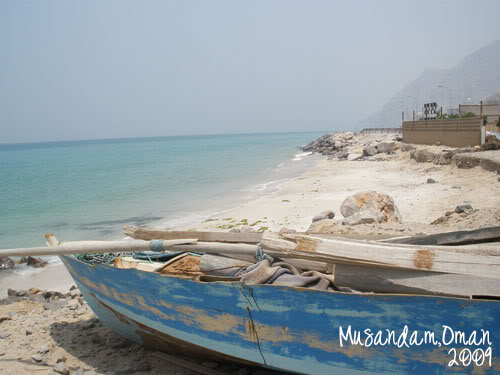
(28, 331)
(210, 364)
(61, 368)
(61, 359)
(44, 349)
(72, 287)
(324, 215)
(37, 357)
(431, 181)
(463, 208)
(36, 262)
(4, 335)
(55, 305)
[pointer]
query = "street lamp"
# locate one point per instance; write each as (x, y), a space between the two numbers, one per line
(446, 87)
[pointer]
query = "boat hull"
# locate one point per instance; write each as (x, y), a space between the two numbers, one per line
(290, 329)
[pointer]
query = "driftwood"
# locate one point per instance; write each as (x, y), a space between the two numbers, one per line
(154, 234)
(483, 235)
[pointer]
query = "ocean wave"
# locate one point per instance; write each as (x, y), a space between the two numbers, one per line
(301, 156)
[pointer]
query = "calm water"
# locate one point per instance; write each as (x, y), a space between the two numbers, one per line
(91, 189)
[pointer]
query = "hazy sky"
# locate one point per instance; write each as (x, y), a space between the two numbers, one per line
(105, 69)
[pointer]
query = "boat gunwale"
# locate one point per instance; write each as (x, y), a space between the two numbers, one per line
(298, 289)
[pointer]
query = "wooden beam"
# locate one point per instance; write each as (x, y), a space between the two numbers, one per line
(386, 255)
(385, 280)
(482, 235)
(155, 234)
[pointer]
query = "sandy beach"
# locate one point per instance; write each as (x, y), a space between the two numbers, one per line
(62, 331)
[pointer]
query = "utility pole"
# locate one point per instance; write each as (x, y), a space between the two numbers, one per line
(446, 87)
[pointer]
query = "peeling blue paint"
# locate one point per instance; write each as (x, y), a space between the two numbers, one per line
(295, 330)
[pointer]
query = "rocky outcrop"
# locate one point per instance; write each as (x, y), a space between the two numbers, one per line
(489, 160)
(369, 207)
(332, 144)
(323, 215)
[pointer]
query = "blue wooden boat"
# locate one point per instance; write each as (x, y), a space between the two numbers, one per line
(292, 329)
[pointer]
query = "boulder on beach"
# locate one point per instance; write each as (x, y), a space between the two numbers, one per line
(370, 150)
(324, 215)
(324, 226)
(385, 147)
(369, 207)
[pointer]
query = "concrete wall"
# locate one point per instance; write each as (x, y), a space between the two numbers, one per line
(449, 132)
(488, 109)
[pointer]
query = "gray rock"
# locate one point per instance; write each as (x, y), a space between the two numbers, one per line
(380, 207)
(37, 357)
(463, 208)
(385, 147)
(55, 305)
(6, 263)
(28, 331)
(323, 215)
(61, 368)
(323, 226)
(431, 181)
(44, 349)
(4, 335)
(370, 150)
(36, 262)
(423, 156)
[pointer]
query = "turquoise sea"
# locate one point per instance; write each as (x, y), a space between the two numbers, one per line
(91, 189)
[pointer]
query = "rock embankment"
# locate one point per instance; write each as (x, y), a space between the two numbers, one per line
(351, 146)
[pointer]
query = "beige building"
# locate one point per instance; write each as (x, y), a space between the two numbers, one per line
(490, 110)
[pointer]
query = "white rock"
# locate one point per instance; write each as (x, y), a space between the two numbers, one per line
(379, 206)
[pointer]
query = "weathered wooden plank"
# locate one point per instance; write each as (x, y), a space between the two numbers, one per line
(392, 280)
(88, 247)
(490, 234)
(389, 255)
(155, 234)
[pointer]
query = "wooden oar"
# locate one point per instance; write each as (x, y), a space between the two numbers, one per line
(95, 247)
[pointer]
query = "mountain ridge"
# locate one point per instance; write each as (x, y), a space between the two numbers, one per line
(476, 77)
